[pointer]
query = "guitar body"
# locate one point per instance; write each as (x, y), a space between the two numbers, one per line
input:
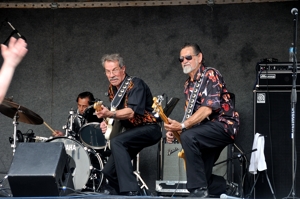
(114, 127)
(110, 123)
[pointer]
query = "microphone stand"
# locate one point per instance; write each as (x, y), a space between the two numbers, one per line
(293, 105)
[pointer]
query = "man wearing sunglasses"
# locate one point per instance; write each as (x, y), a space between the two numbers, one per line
(210, 123)
(132, 101)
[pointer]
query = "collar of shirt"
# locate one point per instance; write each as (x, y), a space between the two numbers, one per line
(198, 73)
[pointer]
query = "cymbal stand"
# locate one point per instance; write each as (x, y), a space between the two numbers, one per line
(69, 127)
(15, 123)
(142, 183)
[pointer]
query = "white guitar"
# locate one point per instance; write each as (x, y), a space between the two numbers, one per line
(109, 121)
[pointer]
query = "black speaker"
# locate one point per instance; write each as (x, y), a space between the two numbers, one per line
(39, 169)
(272, 118)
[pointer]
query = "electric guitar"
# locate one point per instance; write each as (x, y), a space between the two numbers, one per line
(157, 109)
(109, 121)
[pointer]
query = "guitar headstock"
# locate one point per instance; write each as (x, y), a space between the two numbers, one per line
(157, 108)
(98, 105)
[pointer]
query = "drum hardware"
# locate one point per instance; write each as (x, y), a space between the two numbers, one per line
(74, 123)
(91, 136)
(18, 113)
(27, 137)
(68, 132)
(85, 163)
(4, 192)
(69, 128)
(40, 139)
(19, 137)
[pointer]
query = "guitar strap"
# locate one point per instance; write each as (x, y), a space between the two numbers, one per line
(193, 98)
(121, 92)
(117, 127)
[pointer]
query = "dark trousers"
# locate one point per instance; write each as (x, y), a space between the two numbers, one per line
(124, 147)
(202, 146)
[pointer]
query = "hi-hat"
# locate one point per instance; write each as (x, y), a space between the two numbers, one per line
(10, 109)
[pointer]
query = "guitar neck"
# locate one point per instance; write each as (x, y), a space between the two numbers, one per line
(165, 119)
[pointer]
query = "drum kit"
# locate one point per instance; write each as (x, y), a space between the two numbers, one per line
(86, 161)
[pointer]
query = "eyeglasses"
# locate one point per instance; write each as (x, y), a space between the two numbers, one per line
(187, 57)
(114, 71)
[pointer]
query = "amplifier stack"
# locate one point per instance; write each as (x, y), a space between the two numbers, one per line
(272, 118)
(275, 75)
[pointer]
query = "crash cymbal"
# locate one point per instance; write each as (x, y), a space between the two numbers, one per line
(10, 109)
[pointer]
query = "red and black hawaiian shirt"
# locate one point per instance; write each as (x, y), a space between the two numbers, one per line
(213, 93)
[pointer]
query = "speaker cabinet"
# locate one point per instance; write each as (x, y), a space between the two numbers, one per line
(173, 167)
(272, 117)
(172, 174)
(39, 169)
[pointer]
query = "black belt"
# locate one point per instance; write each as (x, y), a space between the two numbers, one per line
(148, 123)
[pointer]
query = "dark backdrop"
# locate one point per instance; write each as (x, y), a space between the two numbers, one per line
(66, 45)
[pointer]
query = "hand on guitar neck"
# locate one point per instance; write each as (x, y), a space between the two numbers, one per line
(157, 108)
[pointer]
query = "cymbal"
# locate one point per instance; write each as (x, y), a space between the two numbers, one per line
(10, 109)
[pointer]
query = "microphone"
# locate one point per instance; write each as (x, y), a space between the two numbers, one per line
(228, 197)
(294, 11)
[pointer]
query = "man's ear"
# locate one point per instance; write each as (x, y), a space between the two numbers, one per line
(200, 57)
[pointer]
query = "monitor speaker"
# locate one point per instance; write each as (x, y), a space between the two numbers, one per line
(272, 118)
(40, 169)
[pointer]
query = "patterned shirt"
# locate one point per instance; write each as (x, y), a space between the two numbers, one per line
(214, 94)
(139, 98)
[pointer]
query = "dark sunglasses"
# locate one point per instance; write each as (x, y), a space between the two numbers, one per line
(188, 57)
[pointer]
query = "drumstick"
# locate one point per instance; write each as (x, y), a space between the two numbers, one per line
(49, 127)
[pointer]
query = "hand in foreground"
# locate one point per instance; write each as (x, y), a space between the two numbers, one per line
(14, 52)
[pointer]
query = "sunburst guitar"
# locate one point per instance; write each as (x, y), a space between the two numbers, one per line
(157, 109)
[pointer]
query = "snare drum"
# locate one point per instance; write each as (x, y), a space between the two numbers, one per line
(92, 136)
(85, 164)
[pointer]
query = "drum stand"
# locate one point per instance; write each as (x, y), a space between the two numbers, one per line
(69, 128)
(15, 123)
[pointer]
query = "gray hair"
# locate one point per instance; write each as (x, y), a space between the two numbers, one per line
(113, 57)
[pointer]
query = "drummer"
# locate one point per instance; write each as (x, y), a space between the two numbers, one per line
(84, 114)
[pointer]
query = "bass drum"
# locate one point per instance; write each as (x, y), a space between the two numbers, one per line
(85, 164)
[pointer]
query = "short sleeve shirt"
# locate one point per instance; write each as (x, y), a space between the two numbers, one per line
(214, 94)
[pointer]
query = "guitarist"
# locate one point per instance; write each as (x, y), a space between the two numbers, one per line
(209, 124)
(134, 110)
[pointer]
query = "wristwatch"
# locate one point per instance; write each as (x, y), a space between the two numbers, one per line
(114, 115)
(183, 127)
